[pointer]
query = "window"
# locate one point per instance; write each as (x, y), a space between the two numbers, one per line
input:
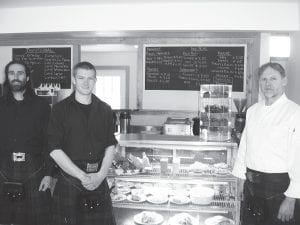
(279, 46)
(111, 85)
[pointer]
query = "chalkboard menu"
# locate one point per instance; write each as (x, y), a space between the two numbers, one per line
(49, 66)
(187, 67)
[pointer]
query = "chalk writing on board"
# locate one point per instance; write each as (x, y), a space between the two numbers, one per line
(187, 67)
(47, 65)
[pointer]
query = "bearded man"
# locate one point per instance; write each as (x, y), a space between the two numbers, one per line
(24, 168)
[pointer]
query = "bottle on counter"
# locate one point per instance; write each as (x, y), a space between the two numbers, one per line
(125, 122)
(196, 126)
(164, 166)
(115, 118)
(176, 166)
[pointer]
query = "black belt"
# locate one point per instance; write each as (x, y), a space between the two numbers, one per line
(88, 166)
(257, 177)
(22, 157)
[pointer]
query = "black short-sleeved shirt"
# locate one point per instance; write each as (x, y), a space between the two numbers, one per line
(81, 138)
(23, 126)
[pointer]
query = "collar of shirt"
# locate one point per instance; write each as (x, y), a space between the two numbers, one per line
(279, 101)
(28, 96)
(72, 99)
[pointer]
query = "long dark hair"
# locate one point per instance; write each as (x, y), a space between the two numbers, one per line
(6, 87)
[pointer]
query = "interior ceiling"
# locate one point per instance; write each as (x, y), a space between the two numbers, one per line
(41, 3)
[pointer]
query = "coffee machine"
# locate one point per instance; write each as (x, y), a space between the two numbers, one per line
(240, 117)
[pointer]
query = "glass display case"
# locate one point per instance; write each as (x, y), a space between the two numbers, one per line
(215, 112)
(174, 180)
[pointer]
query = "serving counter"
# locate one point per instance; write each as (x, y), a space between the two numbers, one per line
(187, 181)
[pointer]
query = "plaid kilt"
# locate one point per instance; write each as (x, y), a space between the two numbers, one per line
(264, 194)
(66, 208)
(35, 208)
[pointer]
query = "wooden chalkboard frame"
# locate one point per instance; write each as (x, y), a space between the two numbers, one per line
(194, 45)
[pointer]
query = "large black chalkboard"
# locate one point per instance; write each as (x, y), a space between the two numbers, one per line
(187, 67)
(47, 65)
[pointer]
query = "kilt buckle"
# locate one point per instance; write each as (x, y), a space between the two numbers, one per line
(91, 167)
(18, 156)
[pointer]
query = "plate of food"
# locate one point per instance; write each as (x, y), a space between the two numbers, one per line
(158, 199)
(180, 192)
(218, 220)
(180, 199)
(159, 191)
(183, 219)
(138, 185)
(148, 218)
(220, 165)
(136, 198)
(123, 191)
(198, 167)
(118, 197)
(124, 184)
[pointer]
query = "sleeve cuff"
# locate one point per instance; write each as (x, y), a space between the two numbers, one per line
(50, 167)
(111, 142)
(239, 171)
(293, 190)
(53, 146)
(48, 172)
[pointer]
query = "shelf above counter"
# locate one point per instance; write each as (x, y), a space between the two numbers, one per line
(179, 180)
(217, 205)
(171, 141)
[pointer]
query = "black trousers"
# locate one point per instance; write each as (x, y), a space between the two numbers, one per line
(263, 195)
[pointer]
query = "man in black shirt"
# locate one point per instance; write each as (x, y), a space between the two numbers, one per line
(82, 143)
(25, 167)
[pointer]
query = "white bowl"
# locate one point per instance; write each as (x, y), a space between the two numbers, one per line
(202, 195)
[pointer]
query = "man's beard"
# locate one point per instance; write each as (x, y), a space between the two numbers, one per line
(17, 85)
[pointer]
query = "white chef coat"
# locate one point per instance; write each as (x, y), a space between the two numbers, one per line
(270, 142)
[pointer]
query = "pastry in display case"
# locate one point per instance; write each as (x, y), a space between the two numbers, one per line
(183, 181)
(215, 112)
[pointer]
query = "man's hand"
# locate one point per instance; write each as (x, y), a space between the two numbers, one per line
(286, 210)
(84, 178)
(45, 183)
(94, 181)
(240, 187)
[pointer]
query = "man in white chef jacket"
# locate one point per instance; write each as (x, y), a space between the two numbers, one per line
(269, 154)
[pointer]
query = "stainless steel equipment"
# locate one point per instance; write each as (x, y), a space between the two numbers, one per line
(125, 122)
(177, 126)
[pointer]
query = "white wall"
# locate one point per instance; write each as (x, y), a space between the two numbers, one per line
(5, 57)
(203, 15)
(294, 69)
(118, 59)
